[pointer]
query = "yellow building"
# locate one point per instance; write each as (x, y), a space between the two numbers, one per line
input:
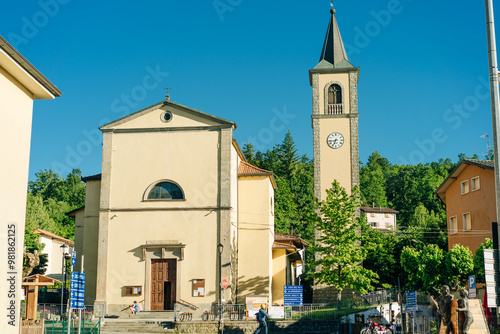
(175, 209)
(20, 84)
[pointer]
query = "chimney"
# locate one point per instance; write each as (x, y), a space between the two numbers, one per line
(291, 229)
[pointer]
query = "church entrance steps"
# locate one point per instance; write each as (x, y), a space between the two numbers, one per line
(136, 326)
(146, 315)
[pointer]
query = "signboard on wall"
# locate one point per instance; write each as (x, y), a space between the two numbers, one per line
(253, 304)
(199, 288)
(276, 312)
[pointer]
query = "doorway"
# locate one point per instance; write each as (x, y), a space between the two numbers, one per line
(163, 283)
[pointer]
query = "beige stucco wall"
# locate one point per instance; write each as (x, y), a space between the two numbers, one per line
(255, 237)
(335, 163)
(15, 134)
(141, 159)
(279, 275)
(153, 120)
(86, 238)
(193, 229)
(18, 88)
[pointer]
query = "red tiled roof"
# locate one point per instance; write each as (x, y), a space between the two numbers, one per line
(245, 169)
(281, 238)
(282, 245)
(54, 236)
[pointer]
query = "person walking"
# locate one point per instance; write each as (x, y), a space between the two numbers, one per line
(261, 318)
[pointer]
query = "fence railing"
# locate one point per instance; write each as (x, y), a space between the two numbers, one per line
(53, 312)
(61, 327)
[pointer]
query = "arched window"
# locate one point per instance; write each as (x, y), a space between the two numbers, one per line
(165, 190)
(334, 94)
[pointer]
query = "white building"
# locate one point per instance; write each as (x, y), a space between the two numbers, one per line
(52, 248)
(380, 218)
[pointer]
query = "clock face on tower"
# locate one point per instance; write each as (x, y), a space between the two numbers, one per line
(335, 140)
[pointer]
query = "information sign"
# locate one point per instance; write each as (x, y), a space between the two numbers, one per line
(73, 258)
(77, 294)
(411, 301)
(294, 295)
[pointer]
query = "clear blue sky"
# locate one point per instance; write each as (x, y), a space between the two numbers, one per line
(423, 86)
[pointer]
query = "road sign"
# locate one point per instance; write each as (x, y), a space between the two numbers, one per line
(472, 286)
(77, 294)
(73, 258)
(400, 299)
(411, 301)
(294, 295)
(224, 283)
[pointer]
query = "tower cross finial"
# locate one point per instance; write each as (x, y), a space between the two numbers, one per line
(333, 9)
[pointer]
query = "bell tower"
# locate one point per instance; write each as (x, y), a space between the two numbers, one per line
(335, 115)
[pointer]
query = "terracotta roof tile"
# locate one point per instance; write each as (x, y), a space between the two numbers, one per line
(54, 236)
(247, 169)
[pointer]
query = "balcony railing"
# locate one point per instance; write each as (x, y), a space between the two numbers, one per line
(334, 109)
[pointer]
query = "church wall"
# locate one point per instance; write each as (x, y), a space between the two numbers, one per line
(90, 237)
(235, 162)
(126, 266)
(255, 237)
(187, 158)
(336, 163)
(180, 119)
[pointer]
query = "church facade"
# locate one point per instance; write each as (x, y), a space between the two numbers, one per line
(175, 210)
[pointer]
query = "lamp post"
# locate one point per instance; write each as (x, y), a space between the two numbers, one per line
(220, 248)
(64, 252)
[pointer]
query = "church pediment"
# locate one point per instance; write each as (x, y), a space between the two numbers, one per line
(167, 115)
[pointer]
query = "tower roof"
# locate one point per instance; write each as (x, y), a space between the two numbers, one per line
(333, 54)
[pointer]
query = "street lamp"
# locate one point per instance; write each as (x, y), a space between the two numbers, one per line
(65, 254)
(220, 248)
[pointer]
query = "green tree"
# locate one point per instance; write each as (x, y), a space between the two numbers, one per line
(459, 264)
(424, 268)
(338, 248)
(479, 260)
(380, 258)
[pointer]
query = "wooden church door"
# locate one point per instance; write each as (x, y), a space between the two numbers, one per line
(163, 282)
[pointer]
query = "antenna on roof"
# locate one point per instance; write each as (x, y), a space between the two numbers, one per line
(488, 147)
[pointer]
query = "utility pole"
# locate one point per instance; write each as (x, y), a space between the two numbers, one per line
(494, 93)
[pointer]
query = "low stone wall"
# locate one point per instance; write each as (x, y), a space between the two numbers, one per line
(249, 327)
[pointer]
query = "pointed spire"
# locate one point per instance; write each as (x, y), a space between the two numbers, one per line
(333, 54)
